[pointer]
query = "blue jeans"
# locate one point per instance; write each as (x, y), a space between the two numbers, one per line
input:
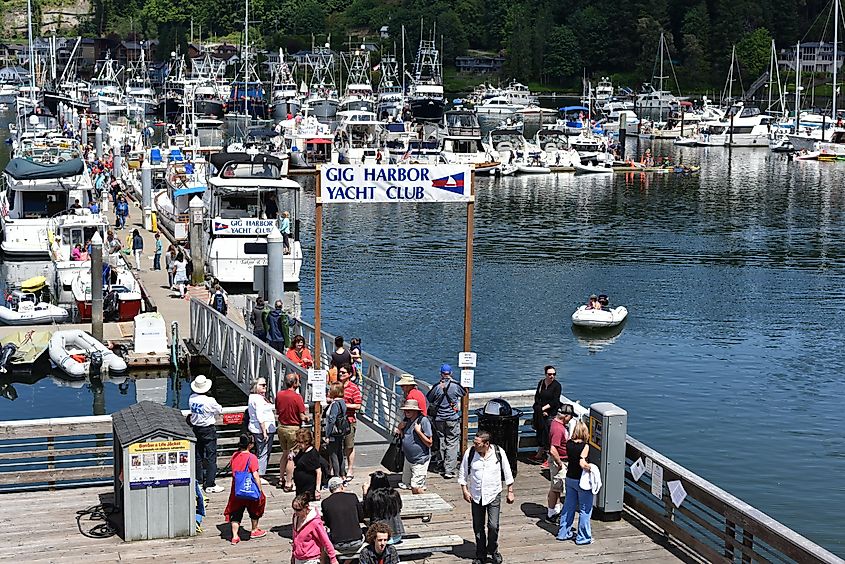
(579, 499)
(262, 450)
(157, 261)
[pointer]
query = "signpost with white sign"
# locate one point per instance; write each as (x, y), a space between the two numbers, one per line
(405, 184)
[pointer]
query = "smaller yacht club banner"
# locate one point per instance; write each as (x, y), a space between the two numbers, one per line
(353, 184)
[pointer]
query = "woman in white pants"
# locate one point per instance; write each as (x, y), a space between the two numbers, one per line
(137, 248)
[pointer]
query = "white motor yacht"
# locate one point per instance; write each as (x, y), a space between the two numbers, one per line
(245, 200)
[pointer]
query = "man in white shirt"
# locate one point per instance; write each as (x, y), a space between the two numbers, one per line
(204, 410)
(483, 469)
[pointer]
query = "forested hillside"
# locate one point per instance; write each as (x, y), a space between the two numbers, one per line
(549, 41)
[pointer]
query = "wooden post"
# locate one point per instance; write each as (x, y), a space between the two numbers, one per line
(318, 294)
(468, 306)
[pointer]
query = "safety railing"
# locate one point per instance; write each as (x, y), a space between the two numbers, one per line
(237, 353)
(708, 520)
(78, 451)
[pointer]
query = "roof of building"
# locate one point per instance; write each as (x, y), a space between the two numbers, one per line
(147, 419)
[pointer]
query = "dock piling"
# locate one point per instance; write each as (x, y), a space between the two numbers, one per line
(147, 194)
(196, 209)
(97, 286)
(98, 142)
(275, 288)
(623, 132)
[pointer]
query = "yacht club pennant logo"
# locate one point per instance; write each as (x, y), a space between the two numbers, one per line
(219, 226)
(454, 183)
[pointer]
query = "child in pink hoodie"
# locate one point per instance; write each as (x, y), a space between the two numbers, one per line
(309, 534)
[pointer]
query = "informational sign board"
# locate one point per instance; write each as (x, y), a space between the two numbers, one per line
(342, 184)
(159, 463)
(243, 226)
(467, 359)
(468, 378)
(596, 432)
(317, 381)
(196, 216)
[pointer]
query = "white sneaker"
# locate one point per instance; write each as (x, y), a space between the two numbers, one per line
(404, 486)
(215, 489)
(264, 482)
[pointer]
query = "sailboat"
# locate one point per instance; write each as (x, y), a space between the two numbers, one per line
(246, 100)
(652, 98)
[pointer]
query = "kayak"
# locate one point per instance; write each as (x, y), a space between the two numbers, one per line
(597, 318)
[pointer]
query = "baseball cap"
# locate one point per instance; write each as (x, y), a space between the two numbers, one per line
(335, 483)
(445, 369)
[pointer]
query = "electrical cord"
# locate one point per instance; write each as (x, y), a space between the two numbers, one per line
(100, 512)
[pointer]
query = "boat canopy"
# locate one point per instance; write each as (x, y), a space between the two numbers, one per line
(567, 109)
(318, 141)
(224, 186)
(219, 160)
(188, 190)
(22, 169)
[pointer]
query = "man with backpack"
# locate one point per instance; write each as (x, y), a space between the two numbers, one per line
(416, 445)
(444, 406)
(278, 329)
(218, 300)
(484, 468)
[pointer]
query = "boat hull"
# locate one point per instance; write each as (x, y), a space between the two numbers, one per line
(281, 109)
(209, 108)
(427, 109)
(599, 319)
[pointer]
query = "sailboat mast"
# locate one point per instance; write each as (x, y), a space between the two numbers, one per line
(835, 53)
(246, 59)
(403, 60)
(797, 82)
(31, 53)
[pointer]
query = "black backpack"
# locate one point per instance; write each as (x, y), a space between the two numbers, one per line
(220, 303)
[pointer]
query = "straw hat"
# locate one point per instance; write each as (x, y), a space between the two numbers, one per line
(406, 380)
(201, 384)
(411, 405)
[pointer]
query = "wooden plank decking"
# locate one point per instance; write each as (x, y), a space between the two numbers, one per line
(41, 527)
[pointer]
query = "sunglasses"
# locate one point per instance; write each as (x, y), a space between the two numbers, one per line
(551, 373)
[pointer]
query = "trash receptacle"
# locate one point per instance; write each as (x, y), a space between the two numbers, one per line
(498, 418)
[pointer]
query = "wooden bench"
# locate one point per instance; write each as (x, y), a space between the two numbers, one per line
(418, 545)
(424, 505)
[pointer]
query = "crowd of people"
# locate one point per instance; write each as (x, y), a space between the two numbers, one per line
(331, 521)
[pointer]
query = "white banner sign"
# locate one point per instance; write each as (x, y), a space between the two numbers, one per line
(341, 184)
(243, 226)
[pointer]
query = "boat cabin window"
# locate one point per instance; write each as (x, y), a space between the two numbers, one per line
(238, 206)
(251, 170)
(255, 248)
(35, 204)
(466, 146)
(79, 235)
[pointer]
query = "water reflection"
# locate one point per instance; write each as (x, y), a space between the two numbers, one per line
(596, 340)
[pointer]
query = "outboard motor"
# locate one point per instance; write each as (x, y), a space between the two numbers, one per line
(111, 306)
(6, 354)
(96, 363)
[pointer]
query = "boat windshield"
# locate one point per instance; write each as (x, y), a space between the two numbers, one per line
(251, 170)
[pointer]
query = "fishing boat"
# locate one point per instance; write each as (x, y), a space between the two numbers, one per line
(26, 308)
(322, 100)
(425, 95)
(391, 97)
(358, 93)
(78, 354)
(284, 97)
(105, 87)
(599, 318)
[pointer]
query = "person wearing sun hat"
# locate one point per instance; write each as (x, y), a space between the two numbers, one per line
(204, 410)
(410, 391)
(416, 445)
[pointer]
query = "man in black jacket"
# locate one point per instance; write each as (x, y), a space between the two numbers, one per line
(343, 515)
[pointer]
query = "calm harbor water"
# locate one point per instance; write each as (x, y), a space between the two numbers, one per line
(731, 360)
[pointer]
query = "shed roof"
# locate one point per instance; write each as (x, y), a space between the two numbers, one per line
(147, 419)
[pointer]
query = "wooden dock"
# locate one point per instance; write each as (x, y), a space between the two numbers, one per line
(50, 534)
